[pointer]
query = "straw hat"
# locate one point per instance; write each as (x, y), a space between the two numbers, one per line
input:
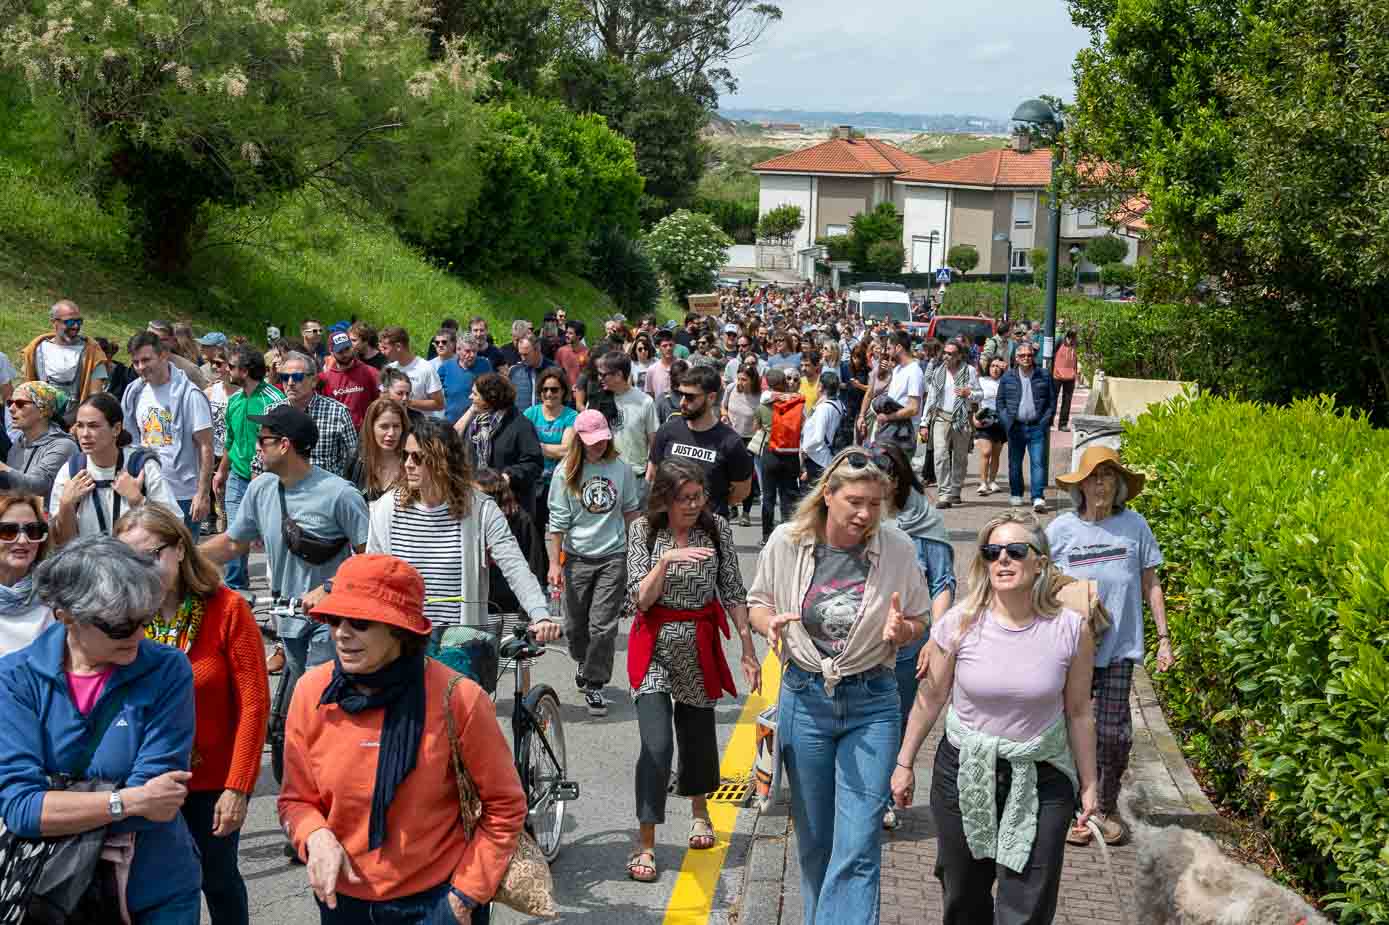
(1095, 456)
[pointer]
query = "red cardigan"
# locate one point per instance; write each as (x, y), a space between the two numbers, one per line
(232, 694)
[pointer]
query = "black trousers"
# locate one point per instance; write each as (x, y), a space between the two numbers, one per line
(1026, 898)
(1067, 388)
(698, 772)
(781, 473)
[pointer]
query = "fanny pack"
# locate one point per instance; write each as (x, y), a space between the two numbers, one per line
(303, 544)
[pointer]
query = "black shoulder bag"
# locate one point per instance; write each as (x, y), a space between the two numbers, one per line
(301, 543)
(57, 881)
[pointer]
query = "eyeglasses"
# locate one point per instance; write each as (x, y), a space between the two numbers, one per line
(1016, 551)
(551, 390)
(121, 630)
(360, 626)
(221, 364)
(35, 532)
(296, 378)
(414, 457)
(1024, 355)
(17, 403)
(694, 500)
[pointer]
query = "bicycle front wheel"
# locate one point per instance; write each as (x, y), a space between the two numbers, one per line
(543, 762)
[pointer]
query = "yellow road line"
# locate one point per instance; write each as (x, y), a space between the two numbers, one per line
(693, 895)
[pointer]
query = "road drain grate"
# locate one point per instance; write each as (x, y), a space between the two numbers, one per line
(730, 792)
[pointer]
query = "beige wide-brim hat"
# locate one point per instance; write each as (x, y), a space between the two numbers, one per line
(1096, 456)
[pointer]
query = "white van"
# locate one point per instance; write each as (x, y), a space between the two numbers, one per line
(872, 301)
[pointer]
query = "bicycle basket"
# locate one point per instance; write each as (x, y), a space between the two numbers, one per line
(471, 651)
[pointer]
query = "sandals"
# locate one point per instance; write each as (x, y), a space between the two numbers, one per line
(701, 834)
(641, 866)
(1112, 830)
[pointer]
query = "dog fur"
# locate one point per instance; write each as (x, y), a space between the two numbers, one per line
(1183, 878)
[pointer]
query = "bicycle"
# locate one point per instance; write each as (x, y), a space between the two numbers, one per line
(279, 703)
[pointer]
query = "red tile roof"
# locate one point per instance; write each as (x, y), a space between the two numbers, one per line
(1002, 168)
(839, 155)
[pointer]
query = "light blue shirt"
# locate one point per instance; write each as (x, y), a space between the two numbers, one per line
(592, 520)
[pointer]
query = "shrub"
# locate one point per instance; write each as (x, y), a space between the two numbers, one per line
(963, 257)
(781, 224)
(838, 246)
(624, 271)
(1117, 274)
(687, 248)
(737, 217)
(1106, 249)
(1272, 521)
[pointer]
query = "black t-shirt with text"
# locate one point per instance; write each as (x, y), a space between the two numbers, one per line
(719, 450)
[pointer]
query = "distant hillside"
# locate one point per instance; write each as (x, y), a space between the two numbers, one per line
(944, 146)
(890, 121)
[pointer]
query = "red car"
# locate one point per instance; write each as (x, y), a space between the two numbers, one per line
(948, 327)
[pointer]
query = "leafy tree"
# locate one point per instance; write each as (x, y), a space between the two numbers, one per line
(869, 228)
(1256, 131)
(622, 269)
(838, 246)
(1117, 274)
(781, 224)
(176, 105)
(963, 257)
(737, 217)
(885, 257)
(1106, 249)
(519, 38)
(687, 248)
(1037, 260)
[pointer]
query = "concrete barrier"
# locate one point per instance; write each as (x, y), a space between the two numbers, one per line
(1128, 398)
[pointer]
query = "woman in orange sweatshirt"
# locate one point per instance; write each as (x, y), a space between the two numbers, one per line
(213, 625)
(369, 796)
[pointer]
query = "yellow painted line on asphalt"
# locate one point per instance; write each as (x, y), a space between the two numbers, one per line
(693, 896)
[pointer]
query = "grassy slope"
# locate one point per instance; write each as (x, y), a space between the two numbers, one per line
(56, 243)
(945, 147)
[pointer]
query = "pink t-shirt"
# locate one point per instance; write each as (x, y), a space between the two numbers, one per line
(1009, 683)
(86, 688)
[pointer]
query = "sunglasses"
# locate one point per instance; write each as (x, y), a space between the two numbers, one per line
(414, 457)
(552, 390)
(293, 377)
(360, 626)
(73, 323)
(15, 403)
(120, 631)
(691, 396)
(1016, 551)
(308, 331)
(35, 531)
(442, 342)
(272, 438)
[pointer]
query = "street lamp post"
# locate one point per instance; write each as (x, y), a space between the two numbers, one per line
(1002, 238)
(931, 251)
(1042, 115)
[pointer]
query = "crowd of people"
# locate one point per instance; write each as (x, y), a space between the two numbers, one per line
(402, 500)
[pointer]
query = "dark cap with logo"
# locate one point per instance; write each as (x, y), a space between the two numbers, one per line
(289, 422)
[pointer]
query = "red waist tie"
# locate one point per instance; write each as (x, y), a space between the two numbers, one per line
(641, 644)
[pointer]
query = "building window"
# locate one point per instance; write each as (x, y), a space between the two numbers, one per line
(1085, 218)
(832, 231)
(1020, 259)
(1024, 206)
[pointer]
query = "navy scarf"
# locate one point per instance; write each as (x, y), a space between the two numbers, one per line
(399, 688)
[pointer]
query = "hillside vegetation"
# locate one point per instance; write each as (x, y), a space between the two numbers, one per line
(301, 260)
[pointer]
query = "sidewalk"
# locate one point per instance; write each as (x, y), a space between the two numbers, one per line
(910, 892)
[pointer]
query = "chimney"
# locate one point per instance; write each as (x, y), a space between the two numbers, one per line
(1022, 140)
(844, 131)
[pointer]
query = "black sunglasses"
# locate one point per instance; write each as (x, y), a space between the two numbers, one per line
(691, 396)
(414, 457)
(360, 626)
(857, 460)
(35, 531)
(1016, 551)
(292, 377)
(120, 631)
(551, 390)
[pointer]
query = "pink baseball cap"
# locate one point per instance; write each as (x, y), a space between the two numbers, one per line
(592, 427)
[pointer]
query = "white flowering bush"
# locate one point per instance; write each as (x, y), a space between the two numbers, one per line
(688, 248)
(179, 103)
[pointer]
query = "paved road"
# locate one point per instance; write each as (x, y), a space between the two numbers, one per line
(590, 874)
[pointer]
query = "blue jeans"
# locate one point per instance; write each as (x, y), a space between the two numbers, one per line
(238, 571)
(838, 751)
(427, 907)
(184, 909)
(222, 883)
(1029, 438)
(194, 528)
(303, 652)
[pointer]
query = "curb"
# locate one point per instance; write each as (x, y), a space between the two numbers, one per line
(1172, 796)
(764, 876)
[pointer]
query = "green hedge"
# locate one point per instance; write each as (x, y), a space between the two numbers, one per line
(1274, 522)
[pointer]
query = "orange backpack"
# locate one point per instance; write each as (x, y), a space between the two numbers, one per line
(787, 416)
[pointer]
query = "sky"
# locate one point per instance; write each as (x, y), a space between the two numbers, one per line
(981, 57)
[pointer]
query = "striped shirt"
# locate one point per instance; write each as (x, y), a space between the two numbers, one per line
(428, 538)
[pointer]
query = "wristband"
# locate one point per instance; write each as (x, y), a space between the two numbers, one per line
(906, 767)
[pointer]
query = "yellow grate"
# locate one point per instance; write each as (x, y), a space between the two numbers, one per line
(730, 792)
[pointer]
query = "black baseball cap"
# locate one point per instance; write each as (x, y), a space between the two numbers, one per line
(289, 422)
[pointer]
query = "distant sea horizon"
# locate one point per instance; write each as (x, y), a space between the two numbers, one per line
(870, 119)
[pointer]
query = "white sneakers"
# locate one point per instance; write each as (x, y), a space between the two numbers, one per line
(1016, 501)
(983, 488)
(1039, 506)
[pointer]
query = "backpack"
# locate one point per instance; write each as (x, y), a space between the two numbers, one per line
(135, 461)
(787, 416)
(843, 431)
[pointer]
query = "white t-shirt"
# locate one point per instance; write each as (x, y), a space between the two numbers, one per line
(424, 379)
(156, 420)
(58, 365)
(908, 382)
(88, 524)
(217, 397)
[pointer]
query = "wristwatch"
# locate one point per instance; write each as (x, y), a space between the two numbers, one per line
(116, 805)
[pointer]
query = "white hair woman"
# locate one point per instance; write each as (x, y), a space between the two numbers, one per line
(1102, 540)
(1014, 667)
(92, 699)
(838, 591)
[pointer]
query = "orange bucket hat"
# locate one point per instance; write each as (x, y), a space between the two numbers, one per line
(380, 588)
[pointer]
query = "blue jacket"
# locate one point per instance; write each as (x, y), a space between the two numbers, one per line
(524, 378)
(1010, 395)
(42, 734)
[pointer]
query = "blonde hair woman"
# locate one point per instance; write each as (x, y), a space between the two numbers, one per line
(1015, 668)
(838, 591)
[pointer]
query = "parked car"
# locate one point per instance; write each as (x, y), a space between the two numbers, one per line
(947, 327)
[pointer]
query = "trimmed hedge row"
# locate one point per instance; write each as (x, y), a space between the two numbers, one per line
(1274, 522)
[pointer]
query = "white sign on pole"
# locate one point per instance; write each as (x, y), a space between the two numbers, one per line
(943, 275)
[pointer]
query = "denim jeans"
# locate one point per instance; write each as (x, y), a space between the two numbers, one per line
(1029, 438)
(238, 572)
(427, 907)
(838, 751)
(222, 883)
(195, 528)
(184, 909)
(303, 652)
